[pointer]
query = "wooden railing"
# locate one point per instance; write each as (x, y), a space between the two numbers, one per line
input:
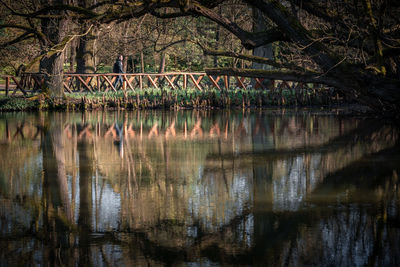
(11, 83)
(31, 83)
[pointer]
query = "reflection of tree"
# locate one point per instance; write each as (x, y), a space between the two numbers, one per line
(85, 202)
(155, 195)
(57, 213)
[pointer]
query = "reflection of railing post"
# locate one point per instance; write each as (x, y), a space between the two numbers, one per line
(8, 134)
(7, 85)
(185, 129)
(141, 130)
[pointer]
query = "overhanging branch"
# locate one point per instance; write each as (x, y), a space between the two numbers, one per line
(298, 76)
(44, 11)
(293, 29)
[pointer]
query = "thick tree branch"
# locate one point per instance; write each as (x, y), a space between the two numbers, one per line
(299, 76)
(44, 11)
(172, 15)
(249, 40)
(292, 28)
(317, 9)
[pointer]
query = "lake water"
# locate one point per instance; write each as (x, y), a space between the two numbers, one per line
(198, 188)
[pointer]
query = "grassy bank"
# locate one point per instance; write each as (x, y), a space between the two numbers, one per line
(154, 98)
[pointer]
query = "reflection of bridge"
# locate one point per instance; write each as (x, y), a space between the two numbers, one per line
(29, 83)
(117, 131)
(128, 131)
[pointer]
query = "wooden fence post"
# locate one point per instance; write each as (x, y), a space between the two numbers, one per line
(98, 83)
(226, 81)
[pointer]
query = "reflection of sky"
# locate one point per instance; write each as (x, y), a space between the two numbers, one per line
(213, 206)
(106, 205)
(290, 189)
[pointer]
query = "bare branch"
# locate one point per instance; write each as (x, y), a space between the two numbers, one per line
(169, 45)
(249, 40)
(22, 37)
(27, 29)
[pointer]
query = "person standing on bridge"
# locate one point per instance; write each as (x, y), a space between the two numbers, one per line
(118, 68)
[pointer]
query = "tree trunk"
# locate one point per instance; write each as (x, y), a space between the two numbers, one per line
(85, 202)
(54, 167)
(162, 63)
(85, 54)
(72, 56)
(142, 61)
(124, 45)
(260, 25)
(51, 65)
(86, 45)
(217, 37)
(125, 63)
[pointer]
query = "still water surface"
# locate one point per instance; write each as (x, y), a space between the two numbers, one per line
(198, 189)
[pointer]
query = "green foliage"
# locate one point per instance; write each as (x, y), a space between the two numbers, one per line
(167, 98)
(104, 69)
(7, 70)
(17, 104)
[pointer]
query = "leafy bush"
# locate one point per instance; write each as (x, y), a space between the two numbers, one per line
(17, 104)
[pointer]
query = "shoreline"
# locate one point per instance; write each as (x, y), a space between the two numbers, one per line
(20, 104)
(151, 98)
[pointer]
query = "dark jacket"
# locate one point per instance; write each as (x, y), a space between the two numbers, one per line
(117, 68)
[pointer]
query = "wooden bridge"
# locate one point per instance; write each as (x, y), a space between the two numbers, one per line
(31, 83)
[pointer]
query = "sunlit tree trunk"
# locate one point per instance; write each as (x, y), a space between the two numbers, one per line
(162, 63)
(85, 54)
(51, 65)
(72, 56)
(142, 61)
(86, 45)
